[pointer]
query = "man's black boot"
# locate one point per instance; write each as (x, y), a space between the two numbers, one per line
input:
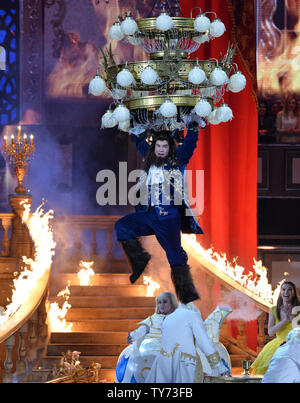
(137, 256)
(183, 283)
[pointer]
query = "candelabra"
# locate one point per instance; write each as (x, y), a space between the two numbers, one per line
(19, 152)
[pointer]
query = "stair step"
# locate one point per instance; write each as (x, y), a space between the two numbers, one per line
(118, 325)
(109, 302)
(89, 337)
(99, 290)
(102, 279)
(106, 361)
(108, 313)
(86, 349)
(108, 375)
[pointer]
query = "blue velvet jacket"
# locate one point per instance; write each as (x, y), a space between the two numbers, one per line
(171, 191)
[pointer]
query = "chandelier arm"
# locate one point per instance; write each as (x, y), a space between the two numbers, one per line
(191, 14)
(166, 5)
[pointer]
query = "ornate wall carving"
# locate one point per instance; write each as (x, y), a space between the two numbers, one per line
(32, 57)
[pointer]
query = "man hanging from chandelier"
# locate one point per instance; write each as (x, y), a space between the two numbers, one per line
(164, 209)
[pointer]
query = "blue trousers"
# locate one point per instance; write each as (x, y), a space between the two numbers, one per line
(167, 231)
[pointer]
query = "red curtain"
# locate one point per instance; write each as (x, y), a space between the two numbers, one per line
(228, 155)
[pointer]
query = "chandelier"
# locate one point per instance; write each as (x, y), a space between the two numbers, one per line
(169, 89)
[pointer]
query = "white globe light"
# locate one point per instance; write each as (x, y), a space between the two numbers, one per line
(164, 22)
(212, 117)
(168, 109)
(217, 28)
(97, 86)
(203, 108)
(197, 75)
(121, 113)
(201, 23)
(124, 125)
(125, 78)
(224, 113)
(218, 77)
(129, 26)
(149, 76)
(115, 32)
(108, 121)
(237, 82)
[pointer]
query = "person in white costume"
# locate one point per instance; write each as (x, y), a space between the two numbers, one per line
(178, 361)
(136, 360)
(285, 364)
(213, 324)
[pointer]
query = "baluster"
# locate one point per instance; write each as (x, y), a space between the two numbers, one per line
(32, 353)
(78, 245)
(109, 244)
(94, 245)
(209, 284)
(6, 224)
(225, 329)
(261, 338)
(21, 362)
(42, 323)
(8, 363)
(241, 338)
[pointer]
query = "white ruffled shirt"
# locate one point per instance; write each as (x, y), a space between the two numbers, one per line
(155, 175)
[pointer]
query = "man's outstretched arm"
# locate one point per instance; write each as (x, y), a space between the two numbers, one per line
(186, 150)
(141, 144)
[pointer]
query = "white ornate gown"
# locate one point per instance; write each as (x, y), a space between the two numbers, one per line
(136, 360)
(178, 361)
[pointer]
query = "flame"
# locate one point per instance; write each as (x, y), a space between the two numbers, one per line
(278, 68)
(151, 286)
(57, 315)
(85, 273)
(255, 283)
(42, 237)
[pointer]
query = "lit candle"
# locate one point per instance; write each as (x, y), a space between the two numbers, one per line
(12, 139)
(25, 138)
(19, 130)
(31, 139)
(5, 141)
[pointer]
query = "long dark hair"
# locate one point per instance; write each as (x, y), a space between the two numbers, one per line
(151, 158)
(295, 300)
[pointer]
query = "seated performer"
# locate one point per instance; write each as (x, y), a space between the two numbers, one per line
(163, 211)
(136, 360)
(285, 364)
(280, 323)
(178, 361)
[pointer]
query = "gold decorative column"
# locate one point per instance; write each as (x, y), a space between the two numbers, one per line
(19, 153)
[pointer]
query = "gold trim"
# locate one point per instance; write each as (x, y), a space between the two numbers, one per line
(199, 376)
(213, 359)
(136, 68)
(142, 370)
(149, 24)
(172, 53)
(155, 101)
(189, 356)
(163, 352)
